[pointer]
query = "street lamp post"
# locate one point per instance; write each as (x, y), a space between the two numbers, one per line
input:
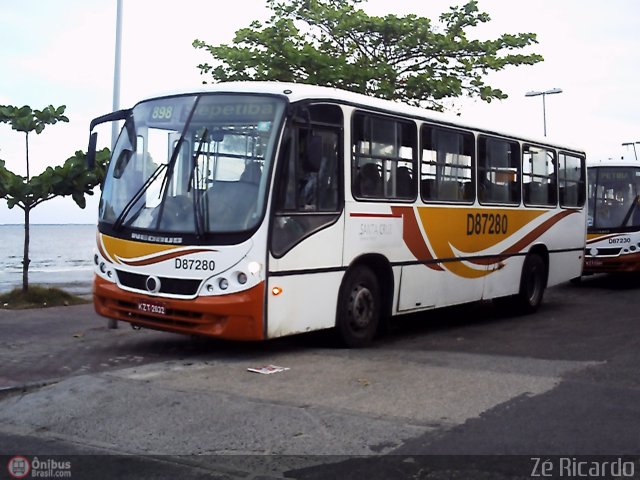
(544, 107)
(633, 144)
(116, 72)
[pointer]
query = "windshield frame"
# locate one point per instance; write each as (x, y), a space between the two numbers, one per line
(625, 210)
(269, 144)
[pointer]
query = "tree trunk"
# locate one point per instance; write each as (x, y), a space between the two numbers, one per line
(25, 258)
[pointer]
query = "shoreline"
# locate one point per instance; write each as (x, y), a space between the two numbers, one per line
(79, 288)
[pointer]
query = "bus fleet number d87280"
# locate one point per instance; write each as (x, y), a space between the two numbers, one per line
(487, 224)
(191, 264)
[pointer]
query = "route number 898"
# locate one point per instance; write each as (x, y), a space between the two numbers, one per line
(162, 113)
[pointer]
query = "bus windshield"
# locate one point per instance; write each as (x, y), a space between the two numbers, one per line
(192, 164)
(613, 197)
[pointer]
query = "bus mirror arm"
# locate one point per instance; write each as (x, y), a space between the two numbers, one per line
(110, 117)
(93, 138)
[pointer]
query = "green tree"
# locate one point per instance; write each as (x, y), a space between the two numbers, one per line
(72, 178)
(335, 43)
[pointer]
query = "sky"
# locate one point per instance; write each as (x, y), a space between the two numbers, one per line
(62, 53)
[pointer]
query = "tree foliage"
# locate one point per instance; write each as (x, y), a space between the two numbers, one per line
(335, 43)
(70, 179)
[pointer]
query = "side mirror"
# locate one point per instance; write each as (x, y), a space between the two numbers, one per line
(91, 151)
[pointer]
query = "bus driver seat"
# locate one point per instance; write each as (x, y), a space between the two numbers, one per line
(252, 173)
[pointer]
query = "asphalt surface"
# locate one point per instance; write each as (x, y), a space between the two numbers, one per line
(467, 392)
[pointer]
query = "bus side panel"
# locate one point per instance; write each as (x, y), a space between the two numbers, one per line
(309, 277)
(504, 278)
(563, 266)
(569, 236)
(417, 290)
(422, 287)
(563, 242)
(305, 303)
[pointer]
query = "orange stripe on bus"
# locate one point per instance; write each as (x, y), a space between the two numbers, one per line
(161, 258)
(413, 237)
(525, 241)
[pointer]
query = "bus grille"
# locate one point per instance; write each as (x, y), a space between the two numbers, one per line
(172, 286)
(610, 252)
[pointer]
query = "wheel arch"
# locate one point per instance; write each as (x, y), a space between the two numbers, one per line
(542, 251)
(381, 268)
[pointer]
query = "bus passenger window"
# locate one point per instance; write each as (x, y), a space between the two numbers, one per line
(447, 165)
(384, 151)
(571, 179)
(498, 171)
(539, 184)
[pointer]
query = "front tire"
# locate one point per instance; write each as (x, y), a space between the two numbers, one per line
(358, 313)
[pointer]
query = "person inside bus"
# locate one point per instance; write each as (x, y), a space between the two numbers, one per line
(308, 191)
(369, 181)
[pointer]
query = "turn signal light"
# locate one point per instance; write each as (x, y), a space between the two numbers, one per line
(275, 291)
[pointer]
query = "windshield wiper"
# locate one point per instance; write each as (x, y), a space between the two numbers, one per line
(117, 225)
(197, 211)
(634, 204)
(172, 162)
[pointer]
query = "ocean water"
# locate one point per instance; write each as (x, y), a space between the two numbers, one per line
(61, 256)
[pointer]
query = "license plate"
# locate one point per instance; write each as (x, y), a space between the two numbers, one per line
(593, 263)
(157, 308)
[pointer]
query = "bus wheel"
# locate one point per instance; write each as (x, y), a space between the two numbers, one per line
(532, 284)
(358, 312)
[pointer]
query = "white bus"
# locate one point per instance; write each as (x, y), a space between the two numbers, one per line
(613, 221)
(255, 210)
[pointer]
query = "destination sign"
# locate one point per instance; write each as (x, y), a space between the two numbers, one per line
(212, 109)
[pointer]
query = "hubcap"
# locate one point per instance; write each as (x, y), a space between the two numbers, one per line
(361, 307)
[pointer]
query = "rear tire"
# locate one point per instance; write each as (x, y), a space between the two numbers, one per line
(358, 313)
(532, 284)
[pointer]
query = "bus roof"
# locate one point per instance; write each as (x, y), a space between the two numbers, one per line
(618, 162)
(295, 92)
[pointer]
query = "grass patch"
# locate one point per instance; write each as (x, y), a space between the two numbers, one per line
(38, 297)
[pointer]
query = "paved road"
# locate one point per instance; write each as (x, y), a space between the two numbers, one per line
(463, 381)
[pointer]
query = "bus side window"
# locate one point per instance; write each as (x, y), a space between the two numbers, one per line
(384, 156)
(539, 176)
(571, 179)
(498, 171)
(447, 165)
